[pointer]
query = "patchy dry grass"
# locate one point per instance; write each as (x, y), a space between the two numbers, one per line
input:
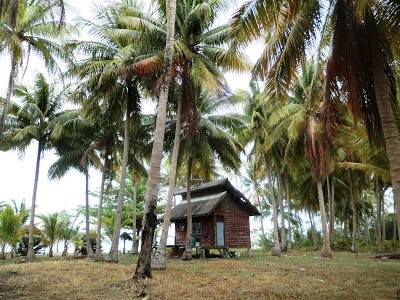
(295, 276)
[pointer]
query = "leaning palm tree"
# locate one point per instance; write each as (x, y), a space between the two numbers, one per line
(30, 29)
(364, 53)
(117, 63)
(203, 54)
(34, 120)
(143, 268)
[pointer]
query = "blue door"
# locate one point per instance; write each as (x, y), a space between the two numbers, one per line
(220, 234)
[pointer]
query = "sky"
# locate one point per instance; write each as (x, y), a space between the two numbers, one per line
(17, 169)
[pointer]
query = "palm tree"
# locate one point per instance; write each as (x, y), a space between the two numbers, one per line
(72, 137)
(202, 55)
(254, 181)
(300, 120)
(256, 133)
(117, 64)
(52, 225)
(143, 268)
(363, 52)
(9, 10)
(103, 142)
(23, 214)
(213, 142)
(34, 120)
(68, 231)
(30, 29)
(10, 223)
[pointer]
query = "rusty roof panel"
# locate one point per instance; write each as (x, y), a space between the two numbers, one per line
(201, 206)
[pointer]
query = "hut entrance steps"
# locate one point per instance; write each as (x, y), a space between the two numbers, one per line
(224, 251)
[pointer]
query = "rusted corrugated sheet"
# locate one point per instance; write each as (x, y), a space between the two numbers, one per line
(201, 206)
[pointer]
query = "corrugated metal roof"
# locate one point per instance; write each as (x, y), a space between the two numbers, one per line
(203, 186)
(218, 185)
(201, 206)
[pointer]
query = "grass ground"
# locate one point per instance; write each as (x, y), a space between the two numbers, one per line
(297, 275)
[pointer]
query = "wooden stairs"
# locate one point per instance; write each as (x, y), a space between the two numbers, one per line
(225, 252)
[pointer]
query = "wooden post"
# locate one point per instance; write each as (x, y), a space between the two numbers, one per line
(202, 253)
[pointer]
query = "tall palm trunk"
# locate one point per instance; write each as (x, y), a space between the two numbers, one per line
(3, 251)
(289, 215)
(282, 213)
(89, 249)
(10, 90)
(65, 250)
(187, 254)
(383, 218)
(276, 249)
(331, 210)
(258, 202)
(98, 256)
(378, 191)
(113, 256)
(31, 253)
(159, 260)
(134, 216)
(313, 231)
(143, 268)
(389, 126)
(51, 250)
(366, 226)
(326, 247)
(394, 223)
(172, 177)
(354, 213)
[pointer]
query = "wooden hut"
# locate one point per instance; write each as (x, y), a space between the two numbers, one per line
(220, 216)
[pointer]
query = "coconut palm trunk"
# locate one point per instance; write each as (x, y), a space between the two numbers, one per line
(383, 218)
(10, 90)
(89, 249)
(143, 268)
(98, 256)
(313, 231)
(366, 226)
(65, 250)
(326, 247)
(386, 114)
(378, 191)
(331, 210)
(187, 254)
(159, 260)
(282, 214)
(276, 249)
(31, 253)
(258, 202)
(394, 223)
(289, 215)
(113, 256)
(51, 250)
(172, 177)
(354, 214)
(134, 216)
